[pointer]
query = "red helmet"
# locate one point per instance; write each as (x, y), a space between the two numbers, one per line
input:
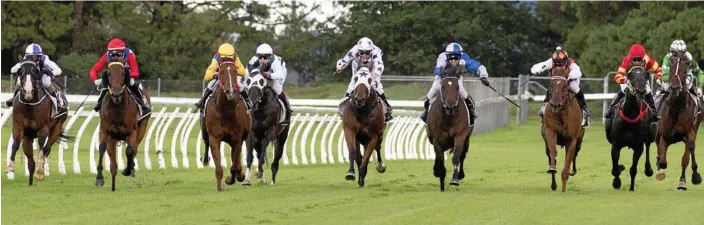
(636, 50)
(116, 44)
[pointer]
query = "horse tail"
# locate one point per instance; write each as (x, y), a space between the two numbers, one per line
(63, 135)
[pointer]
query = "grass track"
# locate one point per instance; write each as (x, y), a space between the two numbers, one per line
(506, 184)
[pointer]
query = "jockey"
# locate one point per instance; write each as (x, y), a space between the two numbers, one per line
(225, 51)
(117, 52)
(274, 68)
(367, 53)
(455, 56)
(636, 57)
(677, 48)
(48, 69)
(561, 58)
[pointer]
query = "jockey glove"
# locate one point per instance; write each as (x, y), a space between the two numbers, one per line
(484, 81)
(266, 75)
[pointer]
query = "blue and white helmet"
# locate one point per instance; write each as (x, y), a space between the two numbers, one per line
(33, 49)
(453, 49)
(365, 44)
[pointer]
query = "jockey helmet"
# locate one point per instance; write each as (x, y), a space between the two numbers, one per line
(226, 50)
(33, 49)
(116, 44)
(560, 57)
(453, 49)
(365, 44)
(678, 46)
(636, 51)
(265, 49)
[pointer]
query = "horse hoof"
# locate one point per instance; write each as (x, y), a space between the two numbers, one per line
(553, 187)
(239, 176)
(621, 168)
(11, 175)
(229, 180)
(361, 183)
(616, 183)
(696, 179)
(381, 168)
(682, 188)
(649, 172)
(573, 172)
(349, 176)
(39, 176)
(460, 176)
(246, 182)
(204, 161)
(262, 180)
(99, 182)
(552, 170)
(259, 174)
(128, 173)
(455, 182)
(660, 176)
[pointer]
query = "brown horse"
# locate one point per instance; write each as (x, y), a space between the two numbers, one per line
(119, 121)
(363, 123)
(448, 127)
(31, 118)
(562, 125)
(225, 119)
(680, 122)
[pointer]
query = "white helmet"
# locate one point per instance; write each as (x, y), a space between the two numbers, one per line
(264, 49)
(33, 49)
(365, 44)
(678, 45)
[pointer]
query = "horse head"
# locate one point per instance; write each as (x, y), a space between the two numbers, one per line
(678, 72)
(29, 76)
(559, 88)
(256, 88)
(638, 79)
(117, 79)
(227, 77)
(362, 80)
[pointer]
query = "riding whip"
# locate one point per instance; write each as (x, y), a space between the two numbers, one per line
(84, 101)
(492, 88)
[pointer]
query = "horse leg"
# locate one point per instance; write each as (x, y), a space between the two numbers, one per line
(463, 157)
(42, 157)
(112, 147)
(637, 152)
(215, 150)
(689, 146)
(351, 139)
(262, 156)
(17, 136)
(648, 167)
(456, 159)
(368, 150)
(53, 137)
(278, 153)
(439, 170)
(130, 152)
(206, 140)
(236, 157)
(571, 149)
(662, 158)
(574, 161)
(29, 153)
(250, 158)
(615, 167)
(696, 177)
(551, 151)
(380, 166)
(99, 180)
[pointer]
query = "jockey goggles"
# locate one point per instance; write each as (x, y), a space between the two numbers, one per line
(453, 57)
(264, 56)
(115, 54)
(369, 52)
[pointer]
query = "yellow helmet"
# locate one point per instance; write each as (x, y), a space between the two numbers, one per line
(226, 50)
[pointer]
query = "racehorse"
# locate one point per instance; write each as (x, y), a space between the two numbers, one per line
(120, 120)
(562, 125)
(32, 118)
(225, 119)
(632, 129)
(265, 116)
(680, 122)
(448, 127)
(363, 123)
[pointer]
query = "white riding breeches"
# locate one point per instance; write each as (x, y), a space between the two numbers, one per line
(437, 86)
(648, 89)
(277, 85)
(574, 86)
(376, 85)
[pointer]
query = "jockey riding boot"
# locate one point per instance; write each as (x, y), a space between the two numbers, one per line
(426, 105)
(388, 108)
(146, 109)
(284, 99)
(651, 103)
(610, 111)
(53, 91)
(245, 97)
(201, 102)
(541, 111)
(9, 101)
(472, 111)
(583, 104)
(100, 100)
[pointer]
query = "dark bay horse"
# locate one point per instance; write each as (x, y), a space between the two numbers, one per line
(363, 123)
(119, 121)
(680, 122)
(562, 125)
(32, 118)
(225, 119)
(265, 116)
(632, 128)
(448, 127)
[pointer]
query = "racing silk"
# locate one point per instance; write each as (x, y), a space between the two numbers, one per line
(472, 65)
(650, 64)
(214, 67)
(375, 57)
(130, 63)
(276, 67)
(44, 63)
(575, 71)
(666, 64)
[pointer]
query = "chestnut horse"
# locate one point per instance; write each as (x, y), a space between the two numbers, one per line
(225, 119)
(562, 125)
(120, 121)
(680, 122)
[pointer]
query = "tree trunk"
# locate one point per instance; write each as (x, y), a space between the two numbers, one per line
(78, 24)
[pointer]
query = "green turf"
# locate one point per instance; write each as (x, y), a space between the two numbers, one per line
(506, 184)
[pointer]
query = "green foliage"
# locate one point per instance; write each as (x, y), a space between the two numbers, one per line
(75, 65)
